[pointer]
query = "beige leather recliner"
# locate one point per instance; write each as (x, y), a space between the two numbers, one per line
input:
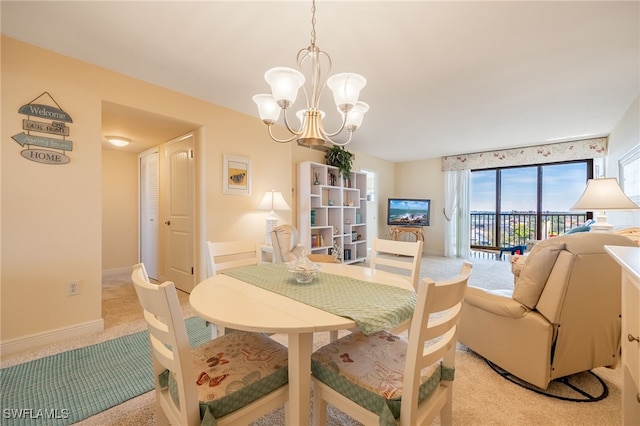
(284, 239)
(562, 317)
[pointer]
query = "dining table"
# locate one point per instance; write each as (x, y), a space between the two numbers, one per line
(266, 298)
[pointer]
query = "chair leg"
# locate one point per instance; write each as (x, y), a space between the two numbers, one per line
(446, 413)
(287, 414)
(161, 416)
(319, 407)
(216, 330)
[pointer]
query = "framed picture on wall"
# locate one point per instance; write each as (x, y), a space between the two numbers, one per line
(629, 174)
(236, 175)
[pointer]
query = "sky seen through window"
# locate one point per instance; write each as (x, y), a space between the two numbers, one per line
(562, 185)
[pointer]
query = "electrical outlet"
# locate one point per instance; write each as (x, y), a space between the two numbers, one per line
(73, 288)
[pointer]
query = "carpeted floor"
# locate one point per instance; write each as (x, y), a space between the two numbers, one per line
(481, 396)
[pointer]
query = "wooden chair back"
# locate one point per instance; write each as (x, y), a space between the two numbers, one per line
(430, 349)
(431, 340)
(232, 254)
(170, 348)
(404, 255)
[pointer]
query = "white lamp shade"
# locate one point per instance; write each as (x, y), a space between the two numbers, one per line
(604, 194)
(346, 88)
(355, 116)
(284, 83)
(267, 108)
(273, 200)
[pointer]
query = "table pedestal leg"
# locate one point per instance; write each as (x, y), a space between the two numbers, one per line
(300, 348)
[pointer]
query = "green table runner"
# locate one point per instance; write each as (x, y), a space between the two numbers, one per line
(373, 306)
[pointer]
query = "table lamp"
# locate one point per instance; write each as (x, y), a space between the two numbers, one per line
(273, 201)
(602, 195)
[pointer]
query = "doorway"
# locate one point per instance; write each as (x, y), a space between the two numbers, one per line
(177, 208)
(121, 218)
(149, 217)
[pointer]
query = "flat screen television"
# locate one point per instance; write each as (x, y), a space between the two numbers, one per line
(408, 212)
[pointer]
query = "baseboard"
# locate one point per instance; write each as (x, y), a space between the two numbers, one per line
(30, 341)
(115, 272)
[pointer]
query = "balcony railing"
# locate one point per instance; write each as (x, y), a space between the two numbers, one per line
(515, 229)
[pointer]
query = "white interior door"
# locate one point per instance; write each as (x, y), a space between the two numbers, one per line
(149, 211)
(179, 206)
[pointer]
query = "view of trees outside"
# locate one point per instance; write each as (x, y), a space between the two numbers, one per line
(517, 222)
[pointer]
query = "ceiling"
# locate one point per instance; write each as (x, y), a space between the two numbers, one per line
(443, 77)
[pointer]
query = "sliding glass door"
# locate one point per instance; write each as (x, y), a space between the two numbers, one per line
(510, 206)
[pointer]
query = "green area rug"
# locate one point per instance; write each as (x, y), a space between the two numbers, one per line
(66, 388)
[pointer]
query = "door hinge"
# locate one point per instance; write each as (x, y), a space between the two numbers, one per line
(191, 153)
(192, 270)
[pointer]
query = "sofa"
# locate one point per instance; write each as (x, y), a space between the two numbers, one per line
(561, 317)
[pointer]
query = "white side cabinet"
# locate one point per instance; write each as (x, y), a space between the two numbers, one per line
(332, 211)
(629, 259)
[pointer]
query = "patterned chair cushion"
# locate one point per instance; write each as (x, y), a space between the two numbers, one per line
(232, 371)
(369, 370)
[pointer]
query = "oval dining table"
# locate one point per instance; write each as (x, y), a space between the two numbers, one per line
(232, 303)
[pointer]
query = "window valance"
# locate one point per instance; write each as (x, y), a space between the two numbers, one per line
(538, 154)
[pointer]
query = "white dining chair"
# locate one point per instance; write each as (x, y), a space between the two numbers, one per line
(219, 379)
(225, 255)
(401, 256)
(232, 254)
(386, 379)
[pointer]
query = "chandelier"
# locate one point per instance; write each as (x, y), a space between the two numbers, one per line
(285, 83)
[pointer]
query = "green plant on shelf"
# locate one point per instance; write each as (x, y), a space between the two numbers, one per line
(339, 157)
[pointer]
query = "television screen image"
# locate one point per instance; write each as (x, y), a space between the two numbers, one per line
(408, 212)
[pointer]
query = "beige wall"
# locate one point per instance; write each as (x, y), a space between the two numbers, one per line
(425, 179)
(624, 137)
(119, 209)
(385, 175)
(52, 216)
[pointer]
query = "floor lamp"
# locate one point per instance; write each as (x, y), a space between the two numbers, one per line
(273, 201)
(602, 195)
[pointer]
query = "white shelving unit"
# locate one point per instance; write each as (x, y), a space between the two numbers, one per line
(340, 211)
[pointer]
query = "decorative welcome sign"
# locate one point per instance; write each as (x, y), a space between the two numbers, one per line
(44, 149)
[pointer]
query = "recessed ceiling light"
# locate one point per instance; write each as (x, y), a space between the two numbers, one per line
(118, 140)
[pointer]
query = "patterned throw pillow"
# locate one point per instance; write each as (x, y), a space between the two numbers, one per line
(585, 227)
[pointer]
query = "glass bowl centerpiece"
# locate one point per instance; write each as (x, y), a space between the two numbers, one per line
(302, 269)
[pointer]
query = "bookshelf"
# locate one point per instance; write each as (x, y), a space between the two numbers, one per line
(332, 210)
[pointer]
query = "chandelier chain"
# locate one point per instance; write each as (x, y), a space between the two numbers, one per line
(286, 82)
(313, 23)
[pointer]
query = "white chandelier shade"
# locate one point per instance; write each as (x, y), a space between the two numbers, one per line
(285, 84)
(267, 108)
(346, 89)
(355, 116)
